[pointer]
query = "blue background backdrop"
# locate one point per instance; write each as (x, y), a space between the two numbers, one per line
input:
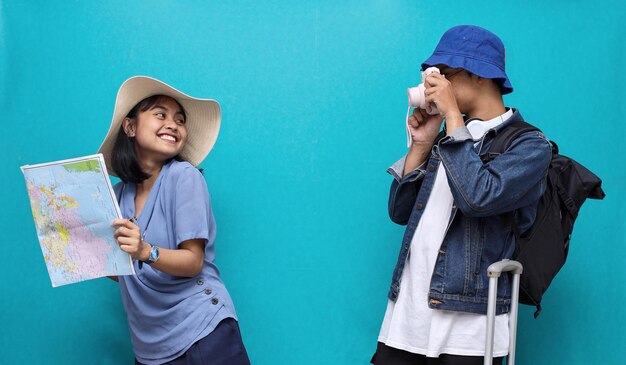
(313, 95)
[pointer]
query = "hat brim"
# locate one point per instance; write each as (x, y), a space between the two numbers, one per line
(480, 68)
(202, 123)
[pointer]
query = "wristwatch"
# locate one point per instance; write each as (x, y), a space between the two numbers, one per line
(154, 255)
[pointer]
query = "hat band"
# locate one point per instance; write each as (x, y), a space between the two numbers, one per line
(470, 57)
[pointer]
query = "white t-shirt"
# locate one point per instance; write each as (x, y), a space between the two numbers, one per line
(409, 323)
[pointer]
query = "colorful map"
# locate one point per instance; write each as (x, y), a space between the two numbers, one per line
(73, 206)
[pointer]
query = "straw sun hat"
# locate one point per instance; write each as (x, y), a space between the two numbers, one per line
(203, 118)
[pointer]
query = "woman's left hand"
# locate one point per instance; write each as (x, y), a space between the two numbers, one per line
(128, 236)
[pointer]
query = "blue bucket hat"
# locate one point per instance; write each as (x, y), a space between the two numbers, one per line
(474, 49)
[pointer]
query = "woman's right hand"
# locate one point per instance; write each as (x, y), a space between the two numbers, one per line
(128, 236)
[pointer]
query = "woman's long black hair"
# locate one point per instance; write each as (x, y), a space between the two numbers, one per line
(124, 157)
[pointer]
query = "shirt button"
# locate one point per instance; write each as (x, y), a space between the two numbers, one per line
(200, 282)
(406, 247)
(208, 291)
(431, 168)
(214, 301)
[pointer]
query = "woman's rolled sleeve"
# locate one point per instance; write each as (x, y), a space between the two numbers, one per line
(192, 207)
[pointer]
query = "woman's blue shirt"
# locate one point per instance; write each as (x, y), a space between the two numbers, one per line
(167, 314)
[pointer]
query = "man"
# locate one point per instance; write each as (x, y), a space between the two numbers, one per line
(452, 204)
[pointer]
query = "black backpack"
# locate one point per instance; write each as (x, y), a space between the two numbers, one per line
(542, 249)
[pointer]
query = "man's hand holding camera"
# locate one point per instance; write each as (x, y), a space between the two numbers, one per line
(439, 91)
(424, 127)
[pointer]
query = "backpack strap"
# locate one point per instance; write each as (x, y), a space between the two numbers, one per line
(502, 140)
(505, 137)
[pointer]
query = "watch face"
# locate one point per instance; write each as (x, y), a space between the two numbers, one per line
(154, 254)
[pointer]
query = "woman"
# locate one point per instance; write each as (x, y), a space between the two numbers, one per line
(178, 309)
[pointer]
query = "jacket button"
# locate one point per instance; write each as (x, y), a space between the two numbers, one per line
(214, 301)
(199, 281)
(419, 206)
(208, 291)
(406, 246)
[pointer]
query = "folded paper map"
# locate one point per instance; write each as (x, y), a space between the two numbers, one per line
(73, 205)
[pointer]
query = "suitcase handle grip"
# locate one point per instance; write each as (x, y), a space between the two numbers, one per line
(494, 271)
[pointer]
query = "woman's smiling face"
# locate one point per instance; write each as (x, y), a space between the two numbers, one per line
(160, 132)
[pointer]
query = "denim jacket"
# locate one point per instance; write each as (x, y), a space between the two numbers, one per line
(476, 235)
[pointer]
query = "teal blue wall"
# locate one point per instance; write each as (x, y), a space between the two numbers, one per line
(313, 95)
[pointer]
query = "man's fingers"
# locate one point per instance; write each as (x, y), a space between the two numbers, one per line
(419, 114)
(434, 79)
(431, 90)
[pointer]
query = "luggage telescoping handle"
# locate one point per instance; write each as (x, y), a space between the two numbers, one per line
(494, 271)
